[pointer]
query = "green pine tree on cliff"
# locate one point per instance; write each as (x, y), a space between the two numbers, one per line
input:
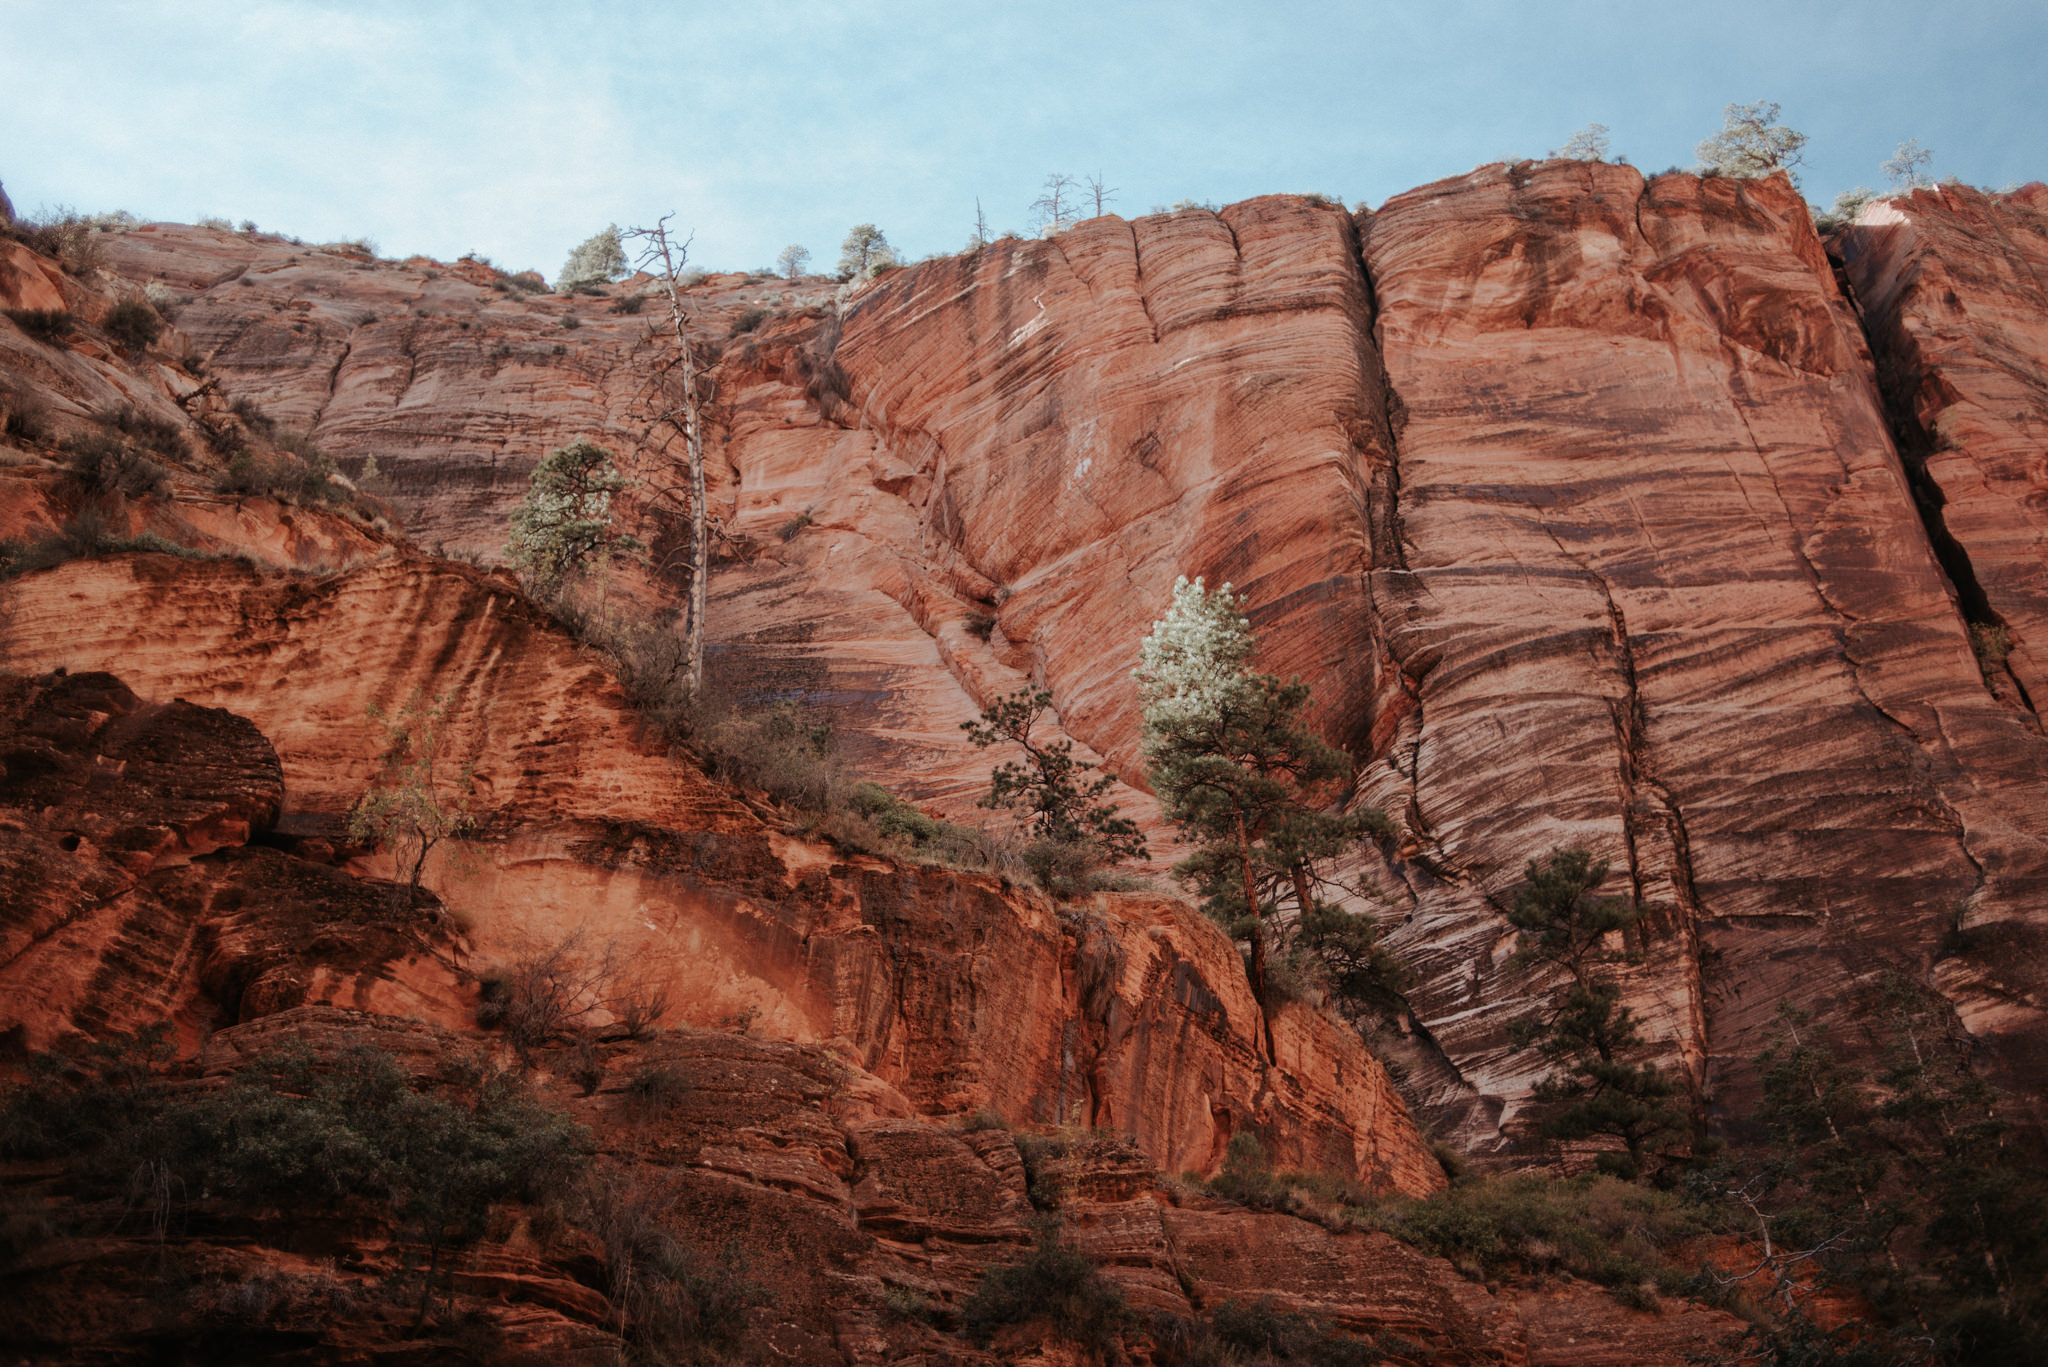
(1238, 770)
(1590, 1033)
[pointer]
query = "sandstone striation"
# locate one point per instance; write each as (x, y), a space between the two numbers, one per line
(1572, 495)
(949, 986)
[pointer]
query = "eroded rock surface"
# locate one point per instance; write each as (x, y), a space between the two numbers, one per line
(956, 989)
(857, 1232)
(1572, 495)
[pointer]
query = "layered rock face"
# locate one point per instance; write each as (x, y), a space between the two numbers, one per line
(1954, 285)
(1656, 586)
(855, 1231)
(946, 985)
(1572, 495)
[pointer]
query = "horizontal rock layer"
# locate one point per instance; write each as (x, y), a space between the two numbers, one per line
(949, 986)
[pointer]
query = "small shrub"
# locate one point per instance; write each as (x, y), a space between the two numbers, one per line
(100, 464)
(586, 1067)
(668, 1301)
(49, 326)
(981, 625)
(1618, 1234)
(630, 303)
(1992, 644)
(570, 320)
(1247, 1178)
(789, 530)
(1045, 1188)
(748, 321)
(23, 414)
(253, 417)
(1274, 1335)
(67, 236)
(133, 325)
(158, 435)
(1054, 1284)
(658, 1086)
(904, 1305)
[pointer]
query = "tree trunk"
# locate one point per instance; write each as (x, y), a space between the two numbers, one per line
(1251, 906)
(700, 527)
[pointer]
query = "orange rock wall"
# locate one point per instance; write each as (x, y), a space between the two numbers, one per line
(1571, 494)
(956, 990)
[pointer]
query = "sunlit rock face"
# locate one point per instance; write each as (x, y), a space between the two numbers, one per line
(1572, 495)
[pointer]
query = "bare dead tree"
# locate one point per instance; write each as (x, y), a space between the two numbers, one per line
(661, 250)
(1054, 207)
(1101, 193)
(980, 225)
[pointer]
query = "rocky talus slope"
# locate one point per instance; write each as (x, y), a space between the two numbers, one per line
(1580, 500)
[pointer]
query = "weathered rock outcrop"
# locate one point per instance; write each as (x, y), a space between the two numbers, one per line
(132, 894)
(949, 986)
(809, 1184)
(1954, 287)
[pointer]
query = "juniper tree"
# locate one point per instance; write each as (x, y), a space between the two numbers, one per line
(564, 524)
(1238, 770)
(1752, 143)
(599, 258)
(865, 252)
(1563, 924)
(792, 259)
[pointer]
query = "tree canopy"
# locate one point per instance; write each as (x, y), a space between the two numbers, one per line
(1248, 783)
(865, 252)
(599, 258)
(1588, 1033)
(564, 525)
(1751, 143)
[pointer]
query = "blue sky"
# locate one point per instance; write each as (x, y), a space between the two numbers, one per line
(518, 129)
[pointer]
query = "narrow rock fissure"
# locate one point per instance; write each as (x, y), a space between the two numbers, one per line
(333, 382)
(1914, 443)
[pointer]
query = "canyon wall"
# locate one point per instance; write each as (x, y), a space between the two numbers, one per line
(1576, 498)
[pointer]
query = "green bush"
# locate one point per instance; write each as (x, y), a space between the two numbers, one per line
(747, 321)
(132, 324)
(1618, 1234)
(286, 1132)
(1054, 1284)
(83, 536)
(49, 326)
(298, 471)
(1273, 1335)
(157, 435)
(65, 235)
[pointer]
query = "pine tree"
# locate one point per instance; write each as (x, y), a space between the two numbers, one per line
(1247, 782)
(1564, 925)
(1073, 830)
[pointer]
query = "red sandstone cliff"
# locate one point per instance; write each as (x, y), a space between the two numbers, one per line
(1581, 501)
(1572, 496)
